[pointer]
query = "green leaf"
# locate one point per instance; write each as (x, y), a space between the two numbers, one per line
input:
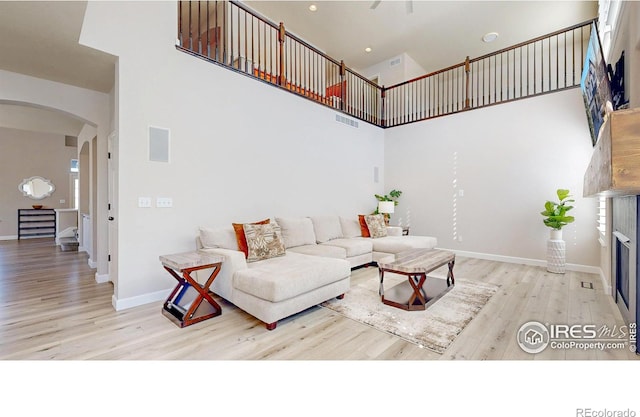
(555, 213)
(562, 194)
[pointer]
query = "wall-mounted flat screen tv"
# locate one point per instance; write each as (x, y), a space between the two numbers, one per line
(595, 85)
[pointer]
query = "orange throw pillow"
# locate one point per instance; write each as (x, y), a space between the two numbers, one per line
(240, 237)
(364, 229)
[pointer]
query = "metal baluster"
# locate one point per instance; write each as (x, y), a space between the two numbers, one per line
(190, 30)
(239, 43)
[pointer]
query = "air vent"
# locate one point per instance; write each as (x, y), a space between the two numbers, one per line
(395, 62)
(587, 285)
(350, 122)
(71, 141)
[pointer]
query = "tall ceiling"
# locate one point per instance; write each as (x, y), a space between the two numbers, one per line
(40, 39)
(436, 34)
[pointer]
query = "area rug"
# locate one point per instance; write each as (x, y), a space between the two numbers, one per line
(434, 328)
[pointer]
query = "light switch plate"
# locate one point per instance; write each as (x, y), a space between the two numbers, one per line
(164, 202)
(144, 202)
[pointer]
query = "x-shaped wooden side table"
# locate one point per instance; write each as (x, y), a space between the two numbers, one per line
(191, 302)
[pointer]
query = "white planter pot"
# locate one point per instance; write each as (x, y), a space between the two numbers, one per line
(555, 234)
(556, 252)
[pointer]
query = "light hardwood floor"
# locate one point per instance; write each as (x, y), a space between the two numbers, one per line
(52, 308)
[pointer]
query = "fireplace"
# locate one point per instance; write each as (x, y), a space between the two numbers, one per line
(622, 247)
(625, 255)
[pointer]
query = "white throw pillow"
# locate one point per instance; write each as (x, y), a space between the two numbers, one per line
(218, 238)
(326, 228)
(350, 227)
(296, 231)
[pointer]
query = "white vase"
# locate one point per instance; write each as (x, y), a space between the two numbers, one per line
(556, 252)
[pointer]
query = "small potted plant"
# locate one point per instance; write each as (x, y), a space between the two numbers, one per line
(556, 218)
(556, 213)
(391, 197)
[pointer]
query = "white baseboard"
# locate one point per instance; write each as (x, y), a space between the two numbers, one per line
(14, 237)
(606, 285)
(100, 278)
(92, 264)
(122, 304)
(525, 261)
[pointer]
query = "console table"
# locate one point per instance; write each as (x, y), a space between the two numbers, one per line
(191, 302)
(419, 291)
(36, 223)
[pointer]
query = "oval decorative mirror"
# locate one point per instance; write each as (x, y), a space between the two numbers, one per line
(36, 188)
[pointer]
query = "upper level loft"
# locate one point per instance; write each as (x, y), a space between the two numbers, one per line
(230, 34)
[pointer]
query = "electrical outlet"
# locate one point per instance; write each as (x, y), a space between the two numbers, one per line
(144, 202)
(164, 202)
(63, 201)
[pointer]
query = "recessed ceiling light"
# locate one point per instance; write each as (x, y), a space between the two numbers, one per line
(490, 37)
(313, 7)
(367, 49)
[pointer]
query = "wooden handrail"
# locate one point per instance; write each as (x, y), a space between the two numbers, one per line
(539, 38)
(421, 77)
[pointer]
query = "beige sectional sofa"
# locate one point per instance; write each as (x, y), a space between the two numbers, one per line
(341, 237)
(320, 253)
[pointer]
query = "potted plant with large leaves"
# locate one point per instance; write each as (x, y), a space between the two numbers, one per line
(556, 218)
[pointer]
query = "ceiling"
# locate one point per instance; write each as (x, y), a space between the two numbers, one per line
(437, 34)
(39, 120)
(40, 39)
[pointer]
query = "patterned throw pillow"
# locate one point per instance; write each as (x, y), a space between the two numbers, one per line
(264, 241)
(376, 225)
(242, 241)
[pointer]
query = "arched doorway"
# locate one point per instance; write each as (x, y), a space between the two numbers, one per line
(91, 141)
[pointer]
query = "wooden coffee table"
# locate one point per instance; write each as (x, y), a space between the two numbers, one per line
(419, 291)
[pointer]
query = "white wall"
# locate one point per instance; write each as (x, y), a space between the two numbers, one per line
(389, 75)
(25, 154)
(627, 39)
(239, 150)
(508, 160)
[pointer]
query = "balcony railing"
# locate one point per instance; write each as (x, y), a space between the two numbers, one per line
(230, 34)
(546, 64)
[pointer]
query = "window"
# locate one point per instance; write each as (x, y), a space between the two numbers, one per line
(76, 192)
(602, 221)
(74, 166)
(74, 188)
